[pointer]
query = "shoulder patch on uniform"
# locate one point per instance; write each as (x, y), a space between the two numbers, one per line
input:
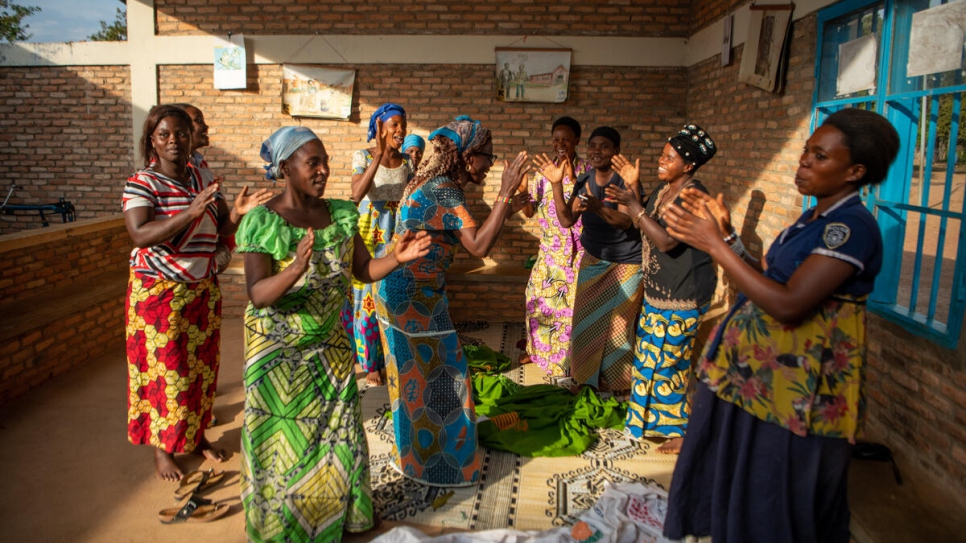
(836, 234)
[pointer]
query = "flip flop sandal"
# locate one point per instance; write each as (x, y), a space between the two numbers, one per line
(193, 509)
(196, 481)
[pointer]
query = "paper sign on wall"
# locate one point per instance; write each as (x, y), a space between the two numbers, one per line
(230, 62)
(936, 40)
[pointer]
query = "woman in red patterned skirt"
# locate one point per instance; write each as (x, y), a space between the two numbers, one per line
(173, 315)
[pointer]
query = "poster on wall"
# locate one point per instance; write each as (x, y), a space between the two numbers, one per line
(856, 65)
(230, 62)
(764, 60)
(313, 91)
(936, 40)
(532, 75)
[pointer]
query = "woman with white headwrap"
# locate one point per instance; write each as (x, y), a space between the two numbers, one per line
(305, 473)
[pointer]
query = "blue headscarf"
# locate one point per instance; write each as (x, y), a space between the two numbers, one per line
(384, 113)
(464, 132)
(413, 140)
(281, 145)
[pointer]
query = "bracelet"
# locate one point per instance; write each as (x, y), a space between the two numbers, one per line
(730, 238)
(738, 247)
(505, 199)
(637, 218)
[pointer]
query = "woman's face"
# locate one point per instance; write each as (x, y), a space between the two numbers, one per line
(171, 140)
(600, 151)
(564, 143)
(396, 127)
(307, 170)
(480, 161)
(199, 129)
(416, 154)
(825, 167)
(670, 165)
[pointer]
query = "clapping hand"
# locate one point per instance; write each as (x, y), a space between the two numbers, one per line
(514, 173)
(303, 253)
(702, 205)
(630, 173)
(700, 232)
(245, 202)
(555, 173)
(411, 246)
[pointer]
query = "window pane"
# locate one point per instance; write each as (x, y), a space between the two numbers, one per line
(846, 30)
(939, 45)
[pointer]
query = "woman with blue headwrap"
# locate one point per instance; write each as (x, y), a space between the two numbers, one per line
(414, 146)
(379, 175)
(305, 472)
(433, 414)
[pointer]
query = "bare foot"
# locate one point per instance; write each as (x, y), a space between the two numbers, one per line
(525, 359)
(374, 379)
(205, 449)
(671, 446)
(168, 469)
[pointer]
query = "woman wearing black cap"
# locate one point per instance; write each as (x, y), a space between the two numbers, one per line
(608, 296)
(679, 281)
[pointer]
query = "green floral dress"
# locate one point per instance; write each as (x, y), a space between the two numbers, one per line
(305, 472)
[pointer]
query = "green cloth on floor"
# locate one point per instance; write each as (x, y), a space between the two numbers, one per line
(540, 420)
(481, 358)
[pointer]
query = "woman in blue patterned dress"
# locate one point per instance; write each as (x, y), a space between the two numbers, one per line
(379, 175)
(780, 398)
(429, 385)
(305, 461)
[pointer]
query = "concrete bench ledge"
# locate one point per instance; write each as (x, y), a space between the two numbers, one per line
(22, 316)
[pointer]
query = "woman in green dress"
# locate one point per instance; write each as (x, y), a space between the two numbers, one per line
(305, 473)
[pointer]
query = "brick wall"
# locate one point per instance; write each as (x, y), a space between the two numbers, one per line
(432, 95)
(63, 255)
(61, 300)
(533, 17)
(706, 12)
(64, 132)
(916, 390)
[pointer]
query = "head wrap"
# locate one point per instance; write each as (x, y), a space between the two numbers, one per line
(281, 145)
(693, 144)
(413, 140)
(464, 132)
(607, 132)
(384, 113)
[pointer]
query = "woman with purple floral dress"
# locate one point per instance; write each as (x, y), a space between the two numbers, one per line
(550, 292)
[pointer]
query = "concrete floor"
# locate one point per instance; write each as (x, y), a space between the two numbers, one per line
(69, 474)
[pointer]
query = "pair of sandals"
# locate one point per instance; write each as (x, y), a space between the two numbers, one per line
(192, 507)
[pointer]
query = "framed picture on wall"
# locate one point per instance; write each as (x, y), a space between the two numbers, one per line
(765, 57)
(532, 75)
(313, 91)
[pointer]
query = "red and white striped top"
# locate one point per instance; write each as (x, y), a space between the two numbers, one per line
(189, 257)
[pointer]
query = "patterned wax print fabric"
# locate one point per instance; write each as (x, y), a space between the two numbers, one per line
(429, 384)
(553, 280)
(806, 378)
(305, 460)
(377, 221)
(173, 333)
(606, 307)
(658, 405)
(189, 257)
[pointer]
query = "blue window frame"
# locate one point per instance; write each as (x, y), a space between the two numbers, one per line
(920, 205)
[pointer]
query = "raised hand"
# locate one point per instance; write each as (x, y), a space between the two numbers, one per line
(201, 202)
(553, 172)
(411, 246)
(700, 232)
(703, 205)
(303, 252)
(622, 196)
(246, 202)
(630, 173)
(382, 138)
(514, 173)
